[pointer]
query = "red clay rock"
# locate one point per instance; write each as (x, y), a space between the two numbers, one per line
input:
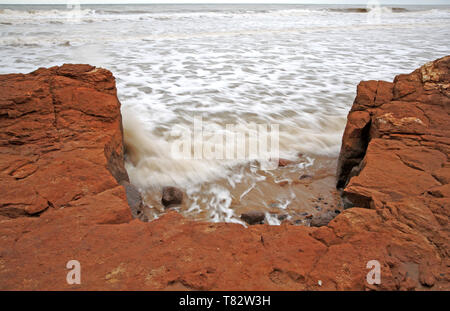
(61, 140)
(49, 159)
(403, 173)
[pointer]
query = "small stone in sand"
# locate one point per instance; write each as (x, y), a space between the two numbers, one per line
(284, 162)
(171, 196)
(253, 217)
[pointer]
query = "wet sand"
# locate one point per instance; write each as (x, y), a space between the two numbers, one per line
(293, 193)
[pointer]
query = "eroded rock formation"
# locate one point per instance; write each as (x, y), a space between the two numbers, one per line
(395, 159)
(62, 199)
(61, 143)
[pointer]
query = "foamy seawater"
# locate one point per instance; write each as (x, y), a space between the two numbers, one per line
(292, 65)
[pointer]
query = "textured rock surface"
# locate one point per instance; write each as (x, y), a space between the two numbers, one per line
(61, 146)
(61, 143)
(394, 160)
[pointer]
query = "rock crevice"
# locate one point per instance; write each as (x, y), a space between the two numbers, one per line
(393, 170)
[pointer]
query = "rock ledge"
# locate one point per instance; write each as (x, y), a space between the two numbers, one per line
(61, 172)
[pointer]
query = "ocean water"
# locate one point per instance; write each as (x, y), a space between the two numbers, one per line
(296, 66)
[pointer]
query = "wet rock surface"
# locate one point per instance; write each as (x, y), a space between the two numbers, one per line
(393, 170)
(253, 217)
(323, 219)
(134, 200)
